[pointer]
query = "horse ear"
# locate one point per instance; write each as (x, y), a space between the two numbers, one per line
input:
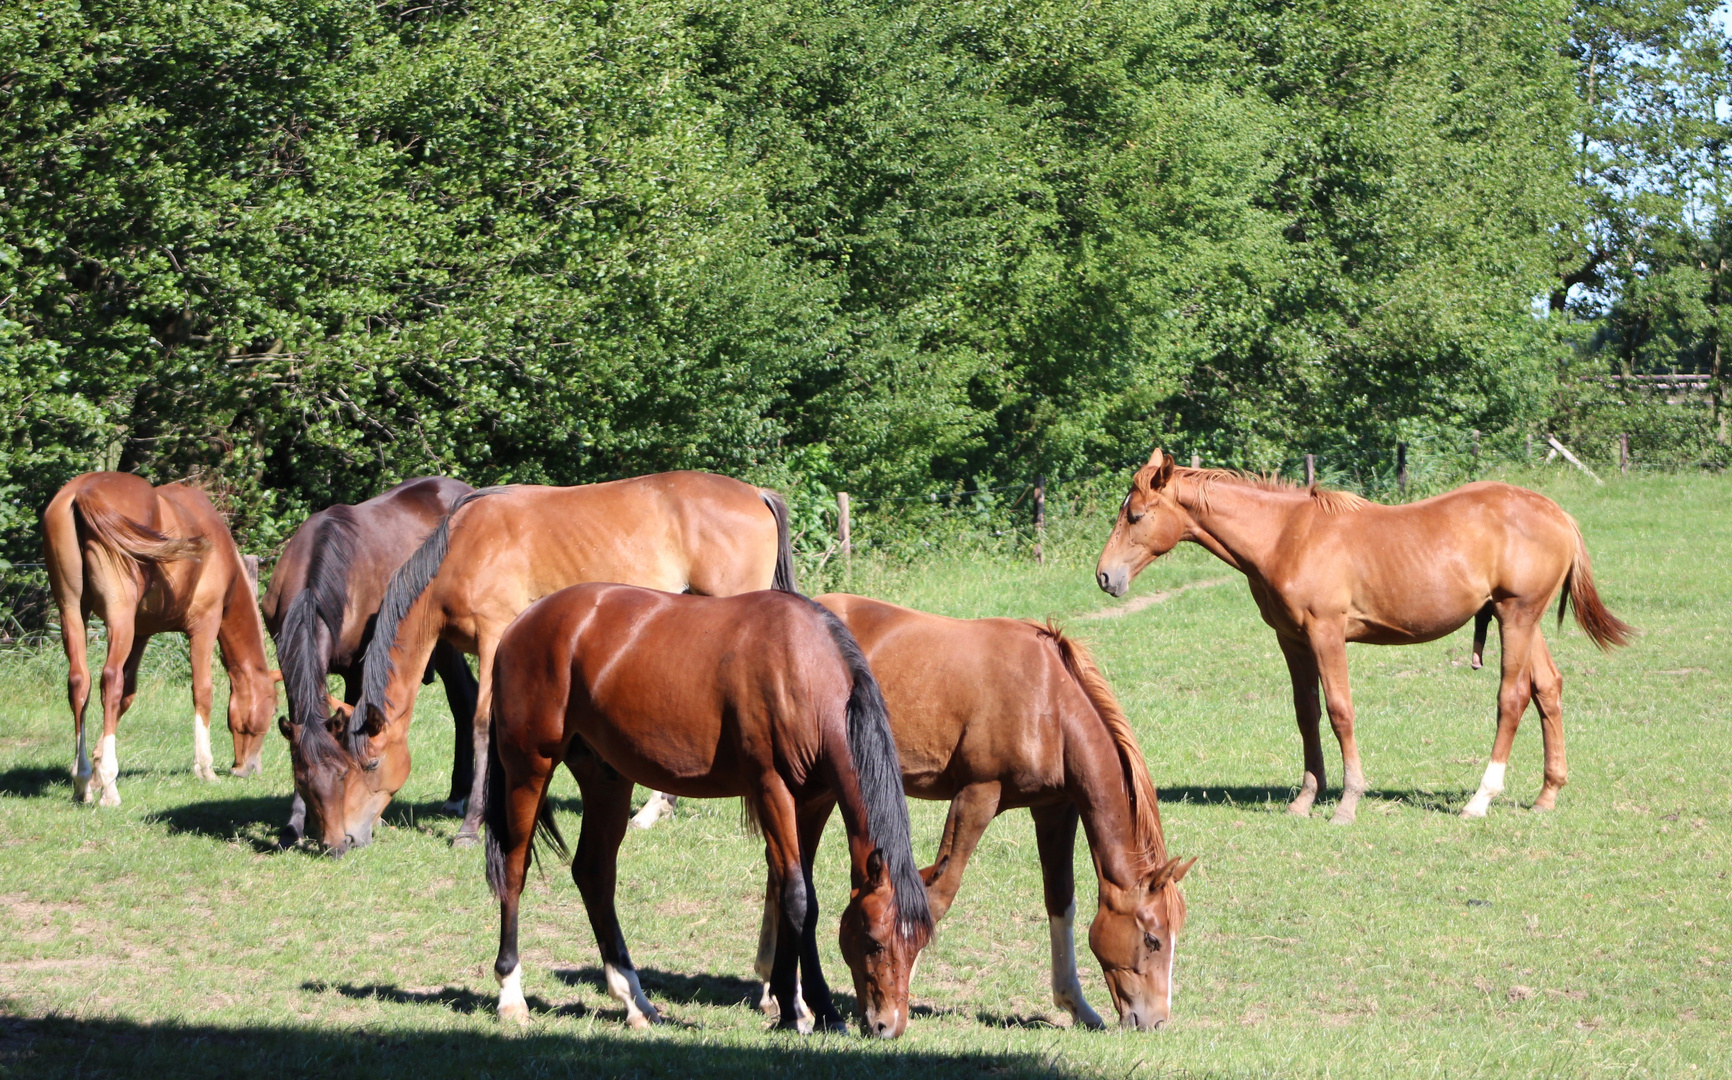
(339, 707)
(1156, 458)
(875, 876)
(1183, 868)
(1169, 873)
(374, 721)
(286, 728)
(276, 675)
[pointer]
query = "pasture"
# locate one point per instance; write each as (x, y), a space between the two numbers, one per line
(169, 937)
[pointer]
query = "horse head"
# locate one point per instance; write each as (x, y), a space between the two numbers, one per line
(1150, 523)
(1133, 937)
(880, 950)
(344, 780)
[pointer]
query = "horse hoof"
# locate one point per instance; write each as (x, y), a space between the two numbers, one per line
(110, 797)
(465, 840)
(639, 1022)
(1470, 812)
(454, 807)
(1344, 816)
(516, 1013)
(1299, 808)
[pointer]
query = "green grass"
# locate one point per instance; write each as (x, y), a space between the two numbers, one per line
(167, 938)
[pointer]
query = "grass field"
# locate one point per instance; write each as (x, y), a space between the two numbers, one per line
(168, 938)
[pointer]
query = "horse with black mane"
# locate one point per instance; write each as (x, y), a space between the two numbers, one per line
(765, 697)
(500, 550)
(321, 606)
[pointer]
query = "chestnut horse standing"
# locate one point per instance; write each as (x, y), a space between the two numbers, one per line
(150, 561)
(998, 714)
(320, 608)
(1327, 568)
(763, 696)
(504, 548)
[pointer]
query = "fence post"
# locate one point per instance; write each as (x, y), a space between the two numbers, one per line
(1530, 447)
(1624, 453)
(1196, 461)
(1401, 467)
(843, 537)
(1040, 519)
(1310, 470)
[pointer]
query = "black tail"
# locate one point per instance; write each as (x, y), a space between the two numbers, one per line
(408, 583)
(303, 653)
(784, 579)
(497, 818)
(879, 770)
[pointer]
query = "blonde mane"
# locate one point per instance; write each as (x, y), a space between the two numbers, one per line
(1328, 500)
(1150, 848)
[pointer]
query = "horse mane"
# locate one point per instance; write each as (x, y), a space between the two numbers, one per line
(407, 585)
(879, 773)
(1151, 845)
(322, 599)
(1328, 500)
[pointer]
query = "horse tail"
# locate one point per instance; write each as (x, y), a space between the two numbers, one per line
(1606, 629)
(407, 585)
(879, 773)
(784, 579)
(124, 536)
(301, 655)
(1145, 809)
(496, 815)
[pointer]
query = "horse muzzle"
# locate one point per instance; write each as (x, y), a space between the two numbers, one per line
(1113, 582)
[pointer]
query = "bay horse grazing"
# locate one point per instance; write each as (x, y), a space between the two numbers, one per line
(503, 548)
(151, 561)
(320, 607)
(764, 696)
(1000, 714)
(1326, 568)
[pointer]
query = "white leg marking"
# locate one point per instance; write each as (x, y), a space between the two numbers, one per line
(201, 755)
(1489, 788)
(622, 984)
(511, 1004)
(1066, 988)
(108, 770)
(658, 807)
(767, 956)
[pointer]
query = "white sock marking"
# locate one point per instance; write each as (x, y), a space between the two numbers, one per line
(653, 811)
(511, 1003)
(201, 755)
(108, 770)
(1489, 788)
(622, 984)
(1066, 988)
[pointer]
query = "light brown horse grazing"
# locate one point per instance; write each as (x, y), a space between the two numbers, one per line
(998, 714)
(504, 548)
(151, 561)
(320, 607)
(763, 696)
(1327, 568)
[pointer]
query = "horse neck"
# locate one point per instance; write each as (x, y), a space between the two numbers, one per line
(1102, 796)
(242, 632)
(1240, 524)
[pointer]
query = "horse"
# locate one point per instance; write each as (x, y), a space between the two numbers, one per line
(763, 696)
(501, 549)
(1000, 714)
(151, 561)
(1326, 567)
(320, 608)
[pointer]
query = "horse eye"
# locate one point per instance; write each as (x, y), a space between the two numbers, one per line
(371, 765)
(1153, 942)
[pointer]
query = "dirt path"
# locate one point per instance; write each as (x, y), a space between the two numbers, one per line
(1131, 607)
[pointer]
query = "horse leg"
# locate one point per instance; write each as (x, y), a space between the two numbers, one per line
(202, 644)
(766, 960)
(971, 811)
(779, 818)
(814, 1001)
(1302, 669)
(659, 805)
(1481, 620)
(1514, 690)
(1548, 688)
(119, 617)
(469, 834)
(525, 786)
(606, 809)
(1329, 646)
(72, 636)
(460, 690)
(1055, 837)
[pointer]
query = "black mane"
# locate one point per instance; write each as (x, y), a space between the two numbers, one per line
(303, 652)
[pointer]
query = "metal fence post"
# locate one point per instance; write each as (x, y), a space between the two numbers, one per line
(843, 537)
(1310, 470)
(1040, 519)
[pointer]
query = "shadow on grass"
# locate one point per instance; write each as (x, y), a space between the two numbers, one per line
(719, 990)
(458, 999)
(35, 781)
(1275, 799)
(58, 1046)
(253, 820)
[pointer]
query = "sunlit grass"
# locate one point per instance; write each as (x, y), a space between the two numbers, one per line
(167, 937)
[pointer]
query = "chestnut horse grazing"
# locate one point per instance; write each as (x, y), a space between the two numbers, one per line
(997, 714)
(504, 548)
(150, 561)
(329, 582)
(1327, 568)
(764, 696)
